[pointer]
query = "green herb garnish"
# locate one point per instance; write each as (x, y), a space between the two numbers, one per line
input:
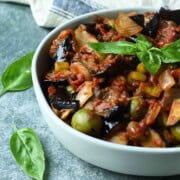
(17, 76)
(28, 153)
(151, 57)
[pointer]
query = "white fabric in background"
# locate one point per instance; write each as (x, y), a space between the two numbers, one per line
(50, 13)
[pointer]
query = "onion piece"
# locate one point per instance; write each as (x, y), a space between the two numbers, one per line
(85, 93)
(174, 115)
(126, 26)
(166, 80)
(152, 113)
(83, 37)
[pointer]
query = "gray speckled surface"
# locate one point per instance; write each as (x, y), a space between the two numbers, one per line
(18, 35)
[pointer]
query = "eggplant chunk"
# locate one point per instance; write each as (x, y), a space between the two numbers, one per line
(150, 29)
(63, 47)
(139, 19)
(170, 15)
(65, 104)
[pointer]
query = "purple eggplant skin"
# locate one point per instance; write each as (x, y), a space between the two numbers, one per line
(139, 19)
(170, 15)
(59, 104)
(149, 29)
(55, 83)
(65, 50)
(152, 26)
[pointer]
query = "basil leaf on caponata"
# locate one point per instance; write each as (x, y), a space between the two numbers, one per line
(17, 76)
(28, 153)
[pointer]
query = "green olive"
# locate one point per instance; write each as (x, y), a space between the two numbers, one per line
(175, 130)
(87, 121)
(137, 108)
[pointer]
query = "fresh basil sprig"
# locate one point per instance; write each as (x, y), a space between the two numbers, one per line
(17, 76)
(28, 153)
(151, 57)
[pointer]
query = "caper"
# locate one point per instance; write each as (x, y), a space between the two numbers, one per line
(86, 121)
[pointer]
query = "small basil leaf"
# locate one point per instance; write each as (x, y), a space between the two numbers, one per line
(142, 43)
(28, 153)
(118, 47)
(17, 76)
(171, 52)
(151, 59)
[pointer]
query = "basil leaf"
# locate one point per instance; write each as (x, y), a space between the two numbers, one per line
(118, 47)
(142, 43)
(17, 76)
(151, 59)
(28, 153)
(171, 52)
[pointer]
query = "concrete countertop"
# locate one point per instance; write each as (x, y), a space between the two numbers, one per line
(18, 35)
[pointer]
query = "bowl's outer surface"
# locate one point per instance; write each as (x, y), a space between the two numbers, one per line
(114, 157)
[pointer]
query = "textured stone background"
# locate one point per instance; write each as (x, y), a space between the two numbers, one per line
(18, 35)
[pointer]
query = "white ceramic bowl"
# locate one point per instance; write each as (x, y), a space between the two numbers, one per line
(114, 157)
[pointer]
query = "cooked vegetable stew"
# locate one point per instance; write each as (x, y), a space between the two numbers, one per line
(119, 79)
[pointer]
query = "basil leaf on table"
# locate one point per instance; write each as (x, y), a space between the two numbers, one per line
(17, 76)
(118, 47)
(28, 153)
(171, 52)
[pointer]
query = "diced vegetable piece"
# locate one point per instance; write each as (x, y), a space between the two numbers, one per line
(87, 121)
(83, 37)
(135, 75)
(152, 113)
(119, 138)
(85, 93)
(65, 104)
(78, 68)
(151, 90)
(63, 47)
(174, 115)
(176, 73)
(126, 26)
(141, 68)
(110, 22)
(137, 108)
(166, 80)
(154, 140)
(59, 66)
(175, 130)
(169, 96)
(70, 89)
(162, 119)
(135, 131)
(63, 113)
(151, 27)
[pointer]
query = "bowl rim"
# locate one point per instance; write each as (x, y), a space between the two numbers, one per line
(40, 95)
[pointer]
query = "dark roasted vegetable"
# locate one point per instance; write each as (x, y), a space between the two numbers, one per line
(68, 104)
(171, 15)
(139, 19)
(65, 50)
(63, 47)
(60, 82)
(150, 29)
